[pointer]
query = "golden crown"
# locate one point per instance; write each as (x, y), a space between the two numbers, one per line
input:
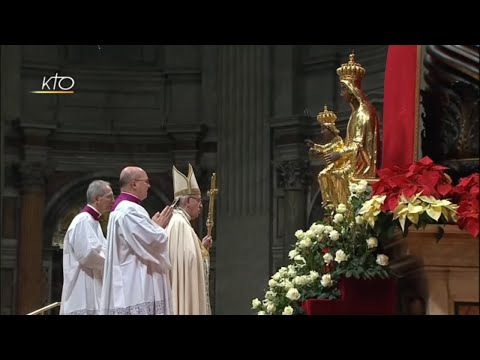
(351, 70)
(326, 117)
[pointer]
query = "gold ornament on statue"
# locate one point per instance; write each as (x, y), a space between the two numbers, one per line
(352, 70)
(361, 140)
(327, 118)
(333, 180)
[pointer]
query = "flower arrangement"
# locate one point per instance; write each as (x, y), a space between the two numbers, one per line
(348, 241)
(422, 194)
(340, 245)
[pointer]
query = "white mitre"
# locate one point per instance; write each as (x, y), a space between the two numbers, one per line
(184, 185)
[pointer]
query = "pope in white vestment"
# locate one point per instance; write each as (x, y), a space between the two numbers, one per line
(84, 254)
(188, 255)
(136, 280)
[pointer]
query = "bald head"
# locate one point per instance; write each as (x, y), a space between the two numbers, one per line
(129, 174)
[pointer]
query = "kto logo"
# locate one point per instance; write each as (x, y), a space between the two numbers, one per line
(56, 85)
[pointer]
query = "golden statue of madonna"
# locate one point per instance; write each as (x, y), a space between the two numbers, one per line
(355, 157)
(361, 140)
(334, 178)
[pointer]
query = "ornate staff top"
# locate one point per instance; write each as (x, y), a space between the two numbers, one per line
(211, 206)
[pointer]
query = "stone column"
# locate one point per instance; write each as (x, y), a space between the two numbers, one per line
(2, 132)
(243, 173)
(293, 177)
(10, 103)
(32, 284)
(31, 280)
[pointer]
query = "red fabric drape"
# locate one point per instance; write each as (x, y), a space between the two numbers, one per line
(399, 106)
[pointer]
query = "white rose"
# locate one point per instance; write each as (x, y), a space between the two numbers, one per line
(328, 229)
(287, 285)
(382, 260)
(363, 182)
(309, 234)
(359, 220)
(314, 275)
(299, 258)
(353, 188)
(293, 294)
(341, 208)
(372, 242)
(261, 313)
(305, 243)
(276, 276)
(338, 218)
(315, 228)
(256, 303)
(270, 295)
(292, 253)
(272, 283)
(326, 280)
(271, 308)
(319, 229)
(340, 256)
(287, 311)
(291, 271)
(308, 279)
(334, 235)
(323, 237)
(361, 187)
(283, 271)
(327, 258)
(299, 234)
(299, 280)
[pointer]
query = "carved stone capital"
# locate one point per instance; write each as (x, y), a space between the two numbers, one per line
(294, 174)
(33, 175)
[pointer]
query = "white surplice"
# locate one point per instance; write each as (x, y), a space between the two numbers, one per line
(83, 261)
(189, 273)
(136, 279)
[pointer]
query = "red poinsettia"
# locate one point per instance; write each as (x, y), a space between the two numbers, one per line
(423, 176)
(466, 195)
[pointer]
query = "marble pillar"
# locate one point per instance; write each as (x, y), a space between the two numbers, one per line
(31, 277)
(243, 173)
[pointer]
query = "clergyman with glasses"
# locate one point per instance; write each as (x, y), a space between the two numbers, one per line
(136, 274)
(188, 254)
(84, 254)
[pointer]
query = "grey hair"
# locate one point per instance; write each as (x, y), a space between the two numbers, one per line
(182, 200)
(96, 188)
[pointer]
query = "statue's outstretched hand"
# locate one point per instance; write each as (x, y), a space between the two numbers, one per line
(309, 143)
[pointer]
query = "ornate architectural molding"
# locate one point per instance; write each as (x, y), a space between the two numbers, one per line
(33, 175)
(293, 174)
(450, 98)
